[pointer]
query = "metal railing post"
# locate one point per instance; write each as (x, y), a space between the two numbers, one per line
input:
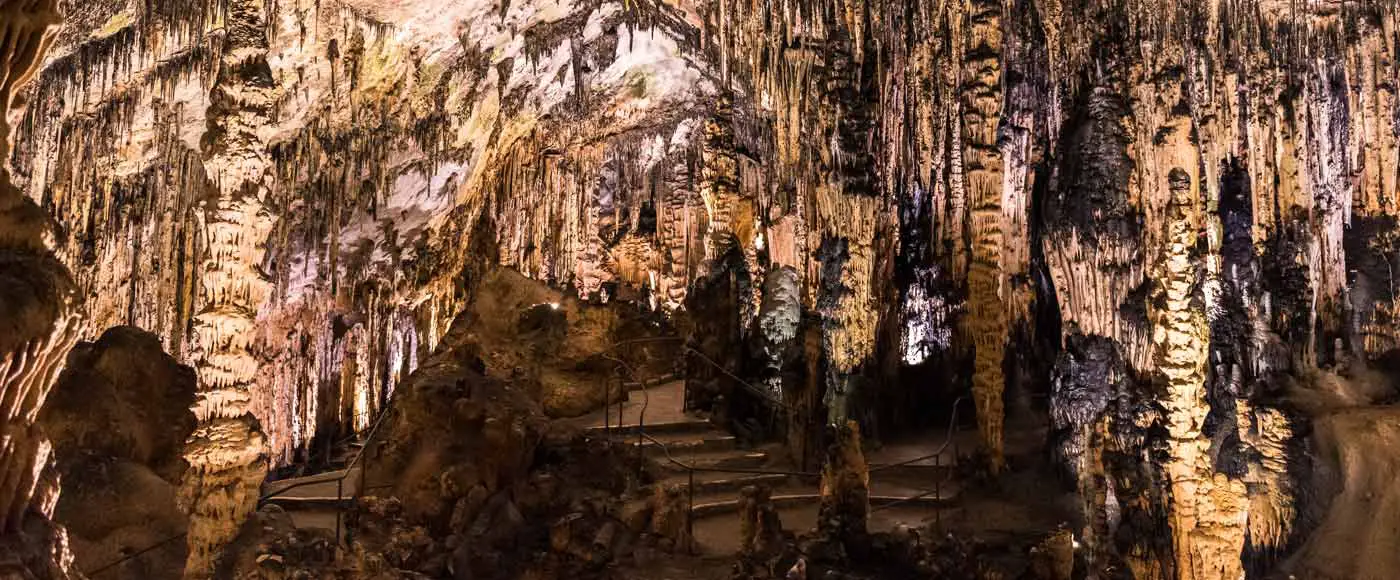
(938, 491)
(339, 507)
(690, 515)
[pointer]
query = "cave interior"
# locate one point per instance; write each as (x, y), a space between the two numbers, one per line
(704, 289)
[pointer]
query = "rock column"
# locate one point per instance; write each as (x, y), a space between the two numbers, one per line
(228, 452)
(1205, 508)
(981, 116)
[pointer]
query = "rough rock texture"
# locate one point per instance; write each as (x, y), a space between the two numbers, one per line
(38, 326)
(1183, 205)
(433, 458)
(492, 490)
(845, 495)
(228, 451)
(1352, 540)
(118, 417)
(566, 350)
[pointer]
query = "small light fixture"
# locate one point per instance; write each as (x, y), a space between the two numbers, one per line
(554, 305)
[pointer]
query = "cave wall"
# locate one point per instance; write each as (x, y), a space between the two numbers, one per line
(39, 324)
(1200, 195)
(118, 417)
(385, 134)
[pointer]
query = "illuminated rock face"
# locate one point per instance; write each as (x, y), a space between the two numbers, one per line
(227, 452)
(38, 326)
(981, 109)
(1188, 203)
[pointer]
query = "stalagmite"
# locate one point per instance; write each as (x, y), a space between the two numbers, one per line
(38, 326)
(1206, 508)
(986, 286)
(227, 452)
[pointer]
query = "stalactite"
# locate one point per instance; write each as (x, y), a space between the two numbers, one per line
(731, 219)
(613, 149)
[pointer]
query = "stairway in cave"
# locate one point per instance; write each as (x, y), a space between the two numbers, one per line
(313, 500)
(677, 442)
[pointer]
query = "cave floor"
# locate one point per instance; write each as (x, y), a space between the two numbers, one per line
(659, 405)
(927, 494)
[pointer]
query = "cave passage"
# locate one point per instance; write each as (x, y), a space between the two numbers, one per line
(712, 289)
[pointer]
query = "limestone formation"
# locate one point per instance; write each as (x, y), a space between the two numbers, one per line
(228, 452)
(1167, 230)
(845, 493)
(119, 417)
(38, 325)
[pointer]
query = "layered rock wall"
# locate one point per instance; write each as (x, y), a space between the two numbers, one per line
(38, 326)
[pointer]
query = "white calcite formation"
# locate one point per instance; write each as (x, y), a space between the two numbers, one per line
(1168, 208)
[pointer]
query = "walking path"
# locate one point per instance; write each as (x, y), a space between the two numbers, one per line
(910, 495)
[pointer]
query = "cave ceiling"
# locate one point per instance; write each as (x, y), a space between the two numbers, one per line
(1156, 215)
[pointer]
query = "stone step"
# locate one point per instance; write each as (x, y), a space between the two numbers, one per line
(682, 443)
(685, 426)
(714, 491)
(713, 460)
(328, 477)
(632, 386)
(719, 484)
(721, 502)
(310, 503)
(782, 500)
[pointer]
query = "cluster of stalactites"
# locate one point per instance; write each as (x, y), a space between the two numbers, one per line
(881, 139)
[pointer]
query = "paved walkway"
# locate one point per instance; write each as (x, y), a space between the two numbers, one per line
(900, 496)
(319, 487)
(660, 404)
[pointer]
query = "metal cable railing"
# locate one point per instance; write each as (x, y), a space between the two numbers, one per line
(340, 498)
(691, 469)
(760, 392)
(937, 456)
(263, 499)
(134, 555)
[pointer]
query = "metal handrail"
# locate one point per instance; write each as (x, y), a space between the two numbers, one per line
(947, 440)
(339, 481)
(134, 555)
(762, 393)
(691, 350)
(692, 469)
(262, 500)
(369, 439)
(937, 457)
